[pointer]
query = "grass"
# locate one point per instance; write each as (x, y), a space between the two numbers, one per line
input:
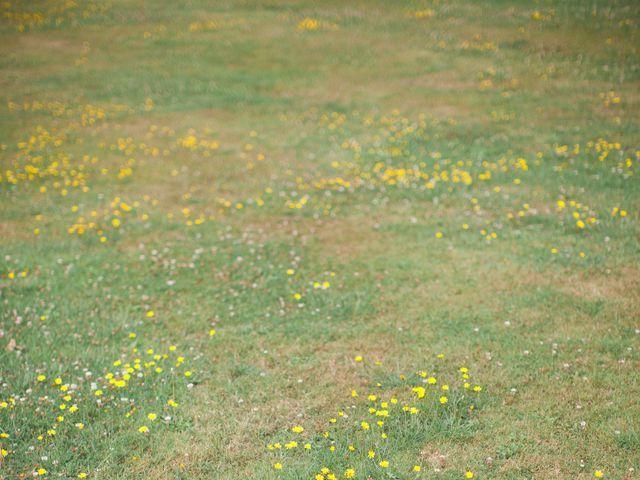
(219, 221)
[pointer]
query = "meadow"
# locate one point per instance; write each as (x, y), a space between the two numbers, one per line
(319, 240)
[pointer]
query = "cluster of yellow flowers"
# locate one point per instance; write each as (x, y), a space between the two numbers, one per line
(393, 152)
(12, 274)
(201, 145)
(133, 393)
(580, 213)
(54, 108)
(110, 218)
(426, 13)
(311, 24)
(490, 78)
(400, 163)
(540, 16)
(51, 13)
(51, 160)
(45, 156)
(609, 98)
(364, 438)
(479, 44)
(621, 161)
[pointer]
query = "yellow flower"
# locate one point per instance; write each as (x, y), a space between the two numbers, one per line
(297, 429)
(417, 468)
(598, 474)
(419, 391)
(468, 474)
(384, 463)
(277, 466)
(143, 429)
(349, 473)
(152, 416)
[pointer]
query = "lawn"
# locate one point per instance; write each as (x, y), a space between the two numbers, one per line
(319, 240)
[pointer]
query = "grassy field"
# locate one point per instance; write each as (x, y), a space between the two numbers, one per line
(319, 240)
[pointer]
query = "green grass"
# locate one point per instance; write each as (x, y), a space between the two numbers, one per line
(420, 175)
